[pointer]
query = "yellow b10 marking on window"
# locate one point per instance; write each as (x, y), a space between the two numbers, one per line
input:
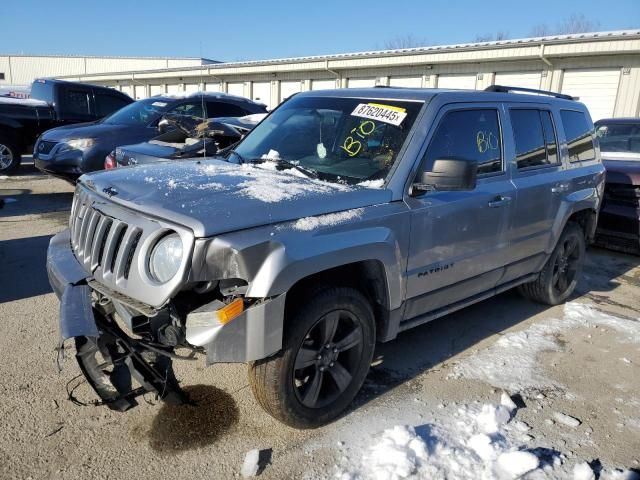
(486, 141)
(352, 146)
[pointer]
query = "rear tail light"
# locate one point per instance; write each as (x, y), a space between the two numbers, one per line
(110, 161)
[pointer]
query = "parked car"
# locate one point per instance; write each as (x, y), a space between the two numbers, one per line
(619, 222)
(187, 142)
(343, 218)
(68, 152)
(52, 103)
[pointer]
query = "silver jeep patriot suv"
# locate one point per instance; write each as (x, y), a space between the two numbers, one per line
(343, 218)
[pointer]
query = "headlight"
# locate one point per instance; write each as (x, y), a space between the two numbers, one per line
(81, 144)
(165, 258)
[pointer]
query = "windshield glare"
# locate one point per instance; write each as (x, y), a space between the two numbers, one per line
(141, 112)
(619, 137)
(345, 140)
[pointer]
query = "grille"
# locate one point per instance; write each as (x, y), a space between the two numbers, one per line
(622, 193)
(44, 147)
(99, 240)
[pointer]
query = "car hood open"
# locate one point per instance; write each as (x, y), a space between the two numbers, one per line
(213, 196)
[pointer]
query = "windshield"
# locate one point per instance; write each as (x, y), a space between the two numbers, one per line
(343, 140)
(619, 138)
(141, 112)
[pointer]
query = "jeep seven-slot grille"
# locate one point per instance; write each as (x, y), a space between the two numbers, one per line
(101, 241)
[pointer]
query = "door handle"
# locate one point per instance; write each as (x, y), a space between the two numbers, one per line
(560, 188)
(499, 201)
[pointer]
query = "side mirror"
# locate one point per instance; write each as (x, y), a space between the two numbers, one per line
(448, 174)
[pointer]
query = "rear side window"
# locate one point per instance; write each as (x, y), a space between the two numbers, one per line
(107, 104)
(77, 102)
(534, 138)
(579, 135)
(472, 135)
(222, 109)
(193, 109)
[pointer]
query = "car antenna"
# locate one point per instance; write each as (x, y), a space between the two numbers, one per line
(204, 115)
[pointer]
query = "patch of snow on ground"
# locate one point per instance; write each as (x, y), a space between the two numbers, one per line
(251, 464)
(4, 177)
(512, 362)
(459, 449)
(330, 219)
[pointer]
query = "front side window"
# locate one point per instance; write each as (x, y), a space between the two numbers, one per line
(579, 135)
(619, 138)
(471, 135)
(343, 140)
(534, 138)
(223, 109)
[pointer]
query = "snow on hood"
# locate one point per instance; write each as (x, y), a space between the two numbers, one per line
(214, 196)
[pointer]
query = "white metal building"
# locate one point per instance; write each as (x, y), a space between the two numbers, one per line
(603, 69)
(23, 69)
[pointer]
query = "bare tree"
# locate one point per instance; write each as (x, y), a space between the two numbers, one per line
(404, 41)
(575, 23)
(491, 37)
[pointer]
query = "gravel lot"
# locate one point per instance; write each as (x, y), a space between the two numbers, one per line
(592, 373)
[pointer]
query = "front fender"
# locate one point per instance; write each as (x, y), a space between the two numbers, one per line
(272, 259)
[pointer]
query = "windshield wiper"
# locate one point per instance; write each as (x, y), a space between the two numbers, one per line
(242, 159)
(307, 172)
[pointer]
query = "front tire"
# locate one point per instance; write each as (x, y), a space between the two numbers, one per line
(326, 355)
(9, 155)
(559, 277)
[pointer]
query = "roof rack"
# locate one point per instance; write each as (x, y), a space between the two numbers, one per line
(506, 89)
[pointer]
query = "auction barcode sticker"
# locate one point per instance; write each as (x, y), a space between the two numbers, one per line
(382, 113)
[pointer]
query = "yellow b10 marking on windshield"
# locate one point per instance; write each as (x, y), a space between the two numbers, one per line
(486, 141)
(353, 146)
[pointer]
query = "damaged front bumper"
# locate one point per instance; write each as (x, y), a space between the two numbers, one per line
(110, 358)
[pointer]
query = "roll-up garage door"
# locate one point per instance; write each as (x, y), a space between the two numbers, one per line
(457, 81)
(596, 88)
(156, 90)
(175, 88)
(323, 84)
(212, 87)
(140, 92)
(262, 93)
(236, 88)
(361, 82)
(289, 88)
(409, 82)
(191, 87)
(518, 79)
(128, 89)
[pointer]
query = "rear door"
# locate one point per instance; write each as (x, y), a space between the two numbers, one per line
(538, 178)
(459, 239)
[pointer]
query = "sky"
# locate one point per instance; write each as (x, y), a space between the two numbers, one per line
(248, 30)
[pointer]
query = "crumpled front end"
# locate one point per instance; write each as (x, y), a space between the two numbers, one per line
(117, 366)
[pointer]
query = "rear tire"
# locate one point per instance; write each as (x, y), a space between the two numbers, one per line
(327, 352)
(559, 277)
(9, 154)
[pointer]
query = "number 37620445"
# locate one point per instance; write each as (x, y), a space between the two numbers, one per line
(353, 143)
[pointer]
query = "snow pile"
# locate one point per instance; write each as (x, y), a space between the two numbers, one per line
(512, 362)
(3, 177)
(477, 442)
(328, 220)
(251, 464)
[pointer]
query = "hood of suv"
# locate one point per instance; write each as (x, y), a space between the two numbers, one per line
(213, 196)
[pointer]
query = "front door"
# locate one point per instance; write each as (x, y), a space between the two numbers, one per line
(459, 238)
